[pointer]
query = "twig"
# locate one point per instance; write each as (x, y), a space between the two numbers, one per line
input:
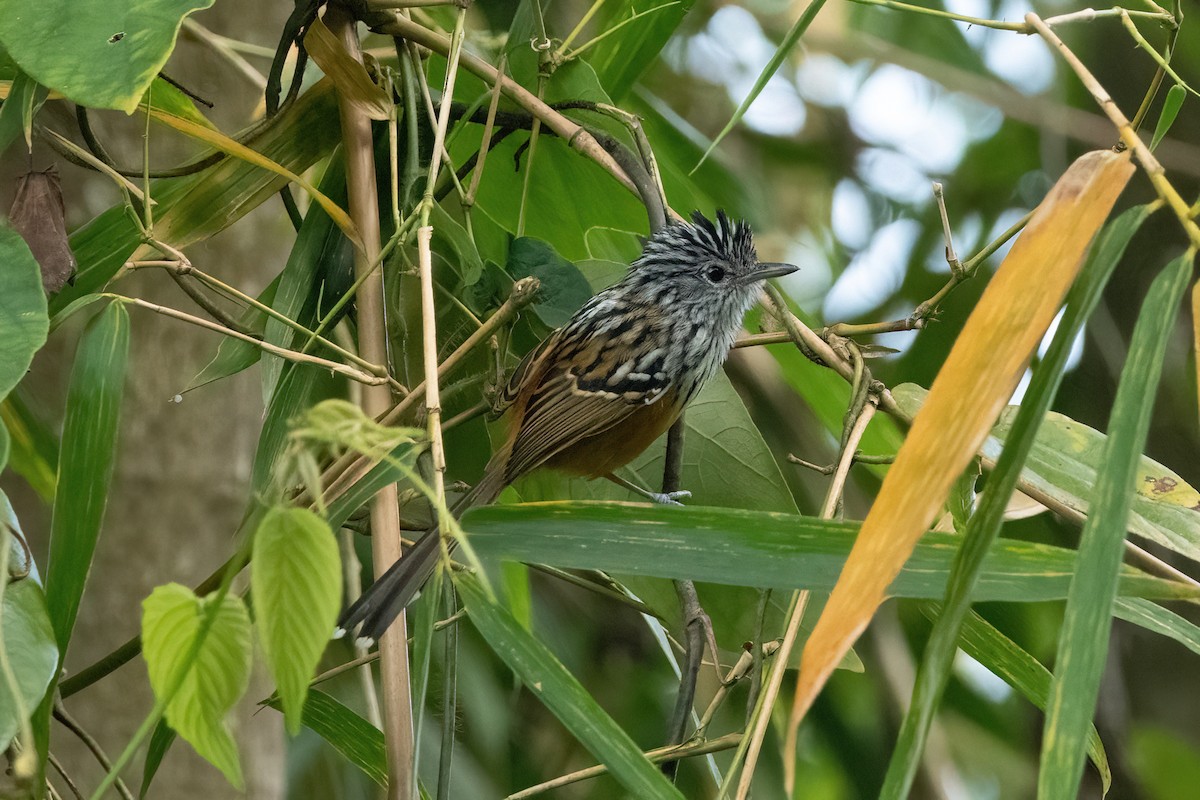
(1154, 170)
(352, 578)
(62, 773)
(579, 138)
(660, 754)
(275, 350)
(348, 468)
(187, 268)
(1084, 15)
(857, 458)
(738, 671)
(69, 722)
(221, 46)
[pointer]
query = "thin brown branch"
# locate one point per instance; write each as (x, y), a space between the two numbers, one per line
(400, 744)
(655, 756)
(393, 24)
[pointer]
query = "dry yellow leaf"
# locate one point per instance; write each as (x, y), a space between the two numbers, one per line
(971, 389)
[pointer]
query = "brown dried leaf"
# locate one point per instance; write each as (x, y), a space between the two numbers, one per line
(38, 214)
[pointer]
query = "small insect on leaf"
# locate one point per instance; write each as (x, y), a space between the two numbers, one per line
(38, 214)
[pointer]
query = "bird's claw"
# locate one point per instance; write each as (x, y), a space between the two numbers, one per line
(670, 498)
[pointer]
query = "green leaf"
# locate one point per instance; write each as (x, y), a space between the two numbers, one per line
(1165, 765)
(234, 355)
(623, 55)
(984, 525)
(1170, 109)
(449, 236)
(296, 580)
(25, 97)
(34, 446)
(214, 681)
(23, 320)
(558, 690)
(1083, 643)
(166, 97)
(101, 55)
(1065, 462)
(160, 742)
(1154, 617)
(563, 289)
(27, 636)
(85, 466)
(320, 249)
(351, 735)
(1024, 673)
(760, 548)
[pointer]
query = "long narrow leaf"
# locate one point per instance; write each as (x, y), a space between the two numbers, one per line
(761, 548)
(550, 682)
(984, 525)
(1024, 673)
(351, 735)
(1153, 617)
(86, 462)
(1083, 644)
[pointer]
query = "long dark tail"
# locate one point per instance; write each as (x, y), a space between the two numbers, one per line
(391, 593)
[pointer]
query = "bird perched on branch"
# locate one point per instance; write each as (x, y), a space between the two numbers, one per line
(600, 389)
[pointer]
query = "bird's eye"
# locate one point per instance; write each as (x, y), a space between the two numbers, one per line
(715, 273)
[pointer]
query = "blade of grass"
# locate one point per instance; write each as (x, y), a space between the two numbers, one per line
(1083, 644)
(984, 524)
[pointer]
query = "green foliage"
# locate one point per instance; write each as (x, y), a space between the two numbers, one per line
(91, 55)
(23, 321)
(757, 548)
(89, 444)
(198, 692)
(1083, 643)
(358, 740)
(297, 585)
(563, 289)
(544, 676)
(27, 636)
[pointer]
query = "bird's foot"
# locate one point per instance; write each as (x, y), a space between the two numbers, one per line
(669, 498)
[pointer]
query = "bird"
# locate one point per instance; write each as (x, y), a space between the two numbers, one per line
(599, 390)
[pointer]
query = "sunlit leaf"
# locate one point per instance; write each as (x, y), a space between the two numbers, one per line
(214, 681)
(99, 55)
(296, 579)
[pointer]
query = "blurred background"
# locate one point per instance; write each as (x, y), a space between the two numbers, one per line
(833, 164)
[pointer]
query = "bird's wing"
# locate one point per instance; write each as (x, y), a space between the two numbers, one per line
(584, 387)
